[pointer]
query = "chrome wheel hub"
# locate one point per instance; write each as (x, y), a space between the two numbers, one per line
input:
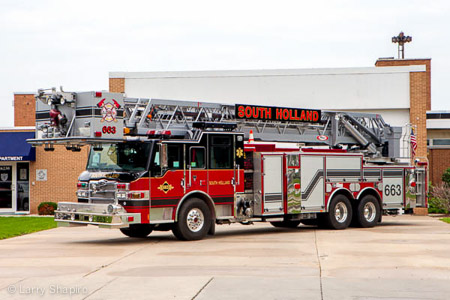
(341, 212)
(195, 220)
(370, 212)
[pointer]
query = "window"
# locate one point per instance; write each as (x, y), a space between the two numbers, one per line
(221, 150)
(197, 157)
(119, 157)
(441, 142)
(155, 164)
(175, 156)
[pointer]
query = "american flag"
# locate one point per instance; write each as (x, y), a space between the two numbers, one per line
(413, 139)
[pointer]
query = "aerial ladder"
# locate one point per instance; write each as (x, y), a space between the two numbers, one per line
(62, 119)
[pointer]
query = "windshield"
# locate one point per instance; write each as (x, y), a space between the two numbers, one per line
(119, 157)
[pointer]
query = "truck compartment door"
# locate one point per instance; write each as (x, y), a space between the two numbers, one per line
(312, 182)
(273, 184)
(393, 188)
(294, 196)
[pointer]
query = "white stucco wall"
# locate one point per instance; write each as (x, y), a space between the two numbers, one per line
(374, 88)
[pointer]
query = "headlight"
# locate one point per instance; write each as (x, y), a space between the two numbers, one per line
(82, 194)
(122, 195)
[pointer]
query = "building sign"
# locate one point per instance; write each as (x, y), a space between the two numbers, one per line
(41, 175)
(283, 114)
(11, 158)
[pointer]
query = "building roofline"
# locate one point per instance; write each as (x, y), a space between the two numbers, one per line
(438, 111)
(272, 72)
(18, 128)
(392, 58)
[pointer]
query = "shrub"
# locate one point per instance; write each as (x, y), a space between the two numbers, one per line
(441, 194)
(446, 176)
(47, 208)
(433, 206)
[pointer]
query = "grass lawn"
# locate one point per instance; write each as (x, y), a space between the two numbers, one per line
(446, 220)
(14, 226)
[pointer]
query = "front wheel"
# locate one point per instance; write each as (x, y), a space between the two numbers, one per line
(339, 214)
(137, 230)
(368, 212)
(194, 220)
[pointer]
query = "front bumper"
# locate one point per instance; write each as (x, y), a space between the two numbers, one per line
(101, 215)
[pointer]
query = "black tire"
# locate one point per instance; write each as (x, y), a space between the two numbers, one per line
(286, 224)
(194, 220)
(368, 212)
(310, 222)
(340, 212)
(137, 230)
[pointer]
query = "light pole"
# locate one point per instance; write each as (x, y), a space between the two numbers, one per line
(401, 39)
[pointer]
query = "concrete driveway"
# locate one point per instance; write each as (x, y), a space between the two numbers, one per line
(407, 257)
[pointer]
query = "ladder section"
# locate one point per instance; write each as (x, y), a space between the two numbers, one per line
(364, 131)
(142, 115)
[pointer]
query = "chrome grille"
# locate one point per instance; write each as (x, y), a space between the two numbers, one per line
(102, 191)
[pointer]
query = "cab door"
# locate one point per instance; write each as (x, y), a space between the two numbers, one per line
(221, 173)
(196, 172)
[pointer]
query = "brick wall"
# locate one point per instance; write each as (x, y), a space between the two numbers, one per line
(439, 162)
(24, 109)
(63, 168)
(117, 85)
(420, 97)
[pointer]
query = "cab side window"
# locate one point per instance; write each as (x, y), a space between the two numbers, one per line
(175, 156)
(155, 166)
(221, 149)
(197, 157)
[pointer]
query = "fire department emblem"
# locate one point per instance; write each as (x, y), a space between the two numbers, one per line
(4, 176)
(108, 110)
(239, 152)
(165, 187)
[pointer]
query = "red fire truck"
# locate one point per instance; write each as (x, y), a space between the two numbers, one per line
(187, 166)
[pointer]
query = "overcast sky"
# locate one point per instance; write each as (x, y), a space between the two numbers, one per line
(76, 43)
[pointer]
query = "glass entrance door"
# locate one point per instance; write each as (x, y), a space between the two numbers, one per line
(23, 187)
(7, 193)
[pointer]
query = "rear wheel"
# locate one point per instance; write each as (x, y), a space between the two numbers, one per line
(137, 230)
(339, 215)
(368, 212)
(194, 220)
(286, 224)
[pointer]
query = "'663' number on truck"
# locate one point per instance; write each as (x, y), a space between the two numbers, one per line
(109, 129)
(392, 189)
